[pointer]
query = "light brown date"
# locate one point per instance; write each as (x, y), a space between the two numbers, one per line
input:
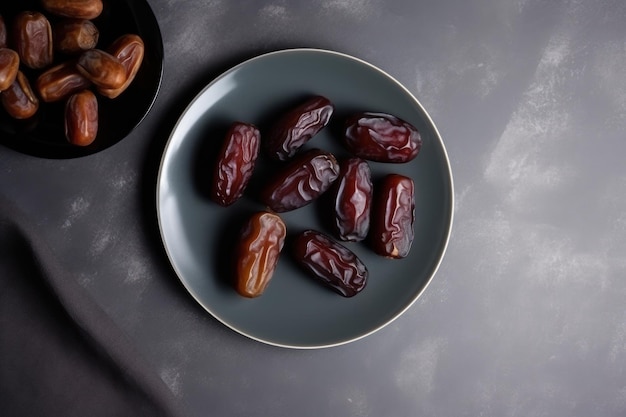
(303, 180)
(257, 254)
(32, 38)
(19, 100)
(393, 215)
(73, 36)
(382, 137)
(80, 9)
(81, 118)
(3, 33)
(129, 50)
(60, 82)
(353, 199)
(102, 69)
(330, 263)
(9, 65)
(297, 127)
(235, 163)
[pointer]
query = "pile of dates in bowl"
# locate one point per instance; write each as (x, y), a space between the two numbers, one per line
(378, 214)
(52, 57)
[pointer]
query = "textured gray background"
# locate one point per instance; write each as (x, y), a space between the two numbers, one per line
(526, 315)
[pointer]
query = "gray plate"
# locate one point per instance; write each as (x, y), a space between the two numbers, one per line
(198, 235)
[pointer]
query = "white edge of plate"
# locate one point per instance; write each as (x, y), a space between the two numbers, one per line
(451, 196)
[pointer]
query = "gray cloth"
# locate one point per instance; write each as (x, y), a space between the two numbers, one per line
(60, 354)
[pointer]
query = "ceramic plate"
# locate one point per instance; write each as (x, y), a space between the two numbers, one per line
(43, 135)
(295, 311)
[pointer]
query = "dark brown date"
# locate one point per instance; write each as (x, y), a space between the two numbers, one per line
(257, 254)
(79, 9)
(393, 214)
(3, 33)
(382, 137)
(19, 100)
(235, 163)
(303, 180)
(60, 82)
(331, 263)
(102, 69)
(353, 200)
(74, 36)
(297, 127)
(32, 38)
(9, 65)
(129, 50)
(81, 118)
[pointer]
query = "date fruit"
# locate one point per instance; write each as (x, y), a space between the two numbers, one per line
(235, 163)
(3, 33)
(297, 127)
(19, 100)
(129, 50)
(79, 9)
(393, 216)
(60, 82)
(74, 36)
(81, 118)
(102, 69)
(353, 198)
(303, 180)
(331, 263)
(9, 65)
(257, 253)
(32, 37)
(382, 137)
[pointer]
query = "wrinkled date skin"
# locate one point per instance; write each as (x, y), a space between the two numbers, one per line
(102, 69)
(257, 254)
(60, 82)
(3, 33)
(235, 163)
(32, 36)
(297, 127)
(303, 180)
(19, 100)
(129, 50)
(9, 65)
(331, 263)
(393, 216)
(382, 137)
(79, 9)
(353, 199)
(74, 36)
(81, 118)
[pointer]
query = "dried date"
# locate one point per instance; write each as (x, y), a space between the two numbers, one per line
(303, 180)
(393, 215)
(79, 9)
(81, 118)
(32, 37)
(60, 82)
(9, 65)
(19, 100)
(382, 137)
(235, 163)
(353, 198)
(74, 36)
(129, 50)
(262, 240)
(297, 127)
(102, 69)
(3, 33)
(331, 263)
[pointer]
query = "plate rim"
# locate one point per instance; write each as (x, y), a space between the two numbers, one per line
(451, 197)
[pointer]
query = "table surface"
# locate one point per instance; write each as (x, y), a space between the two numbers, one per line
(525, 317)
